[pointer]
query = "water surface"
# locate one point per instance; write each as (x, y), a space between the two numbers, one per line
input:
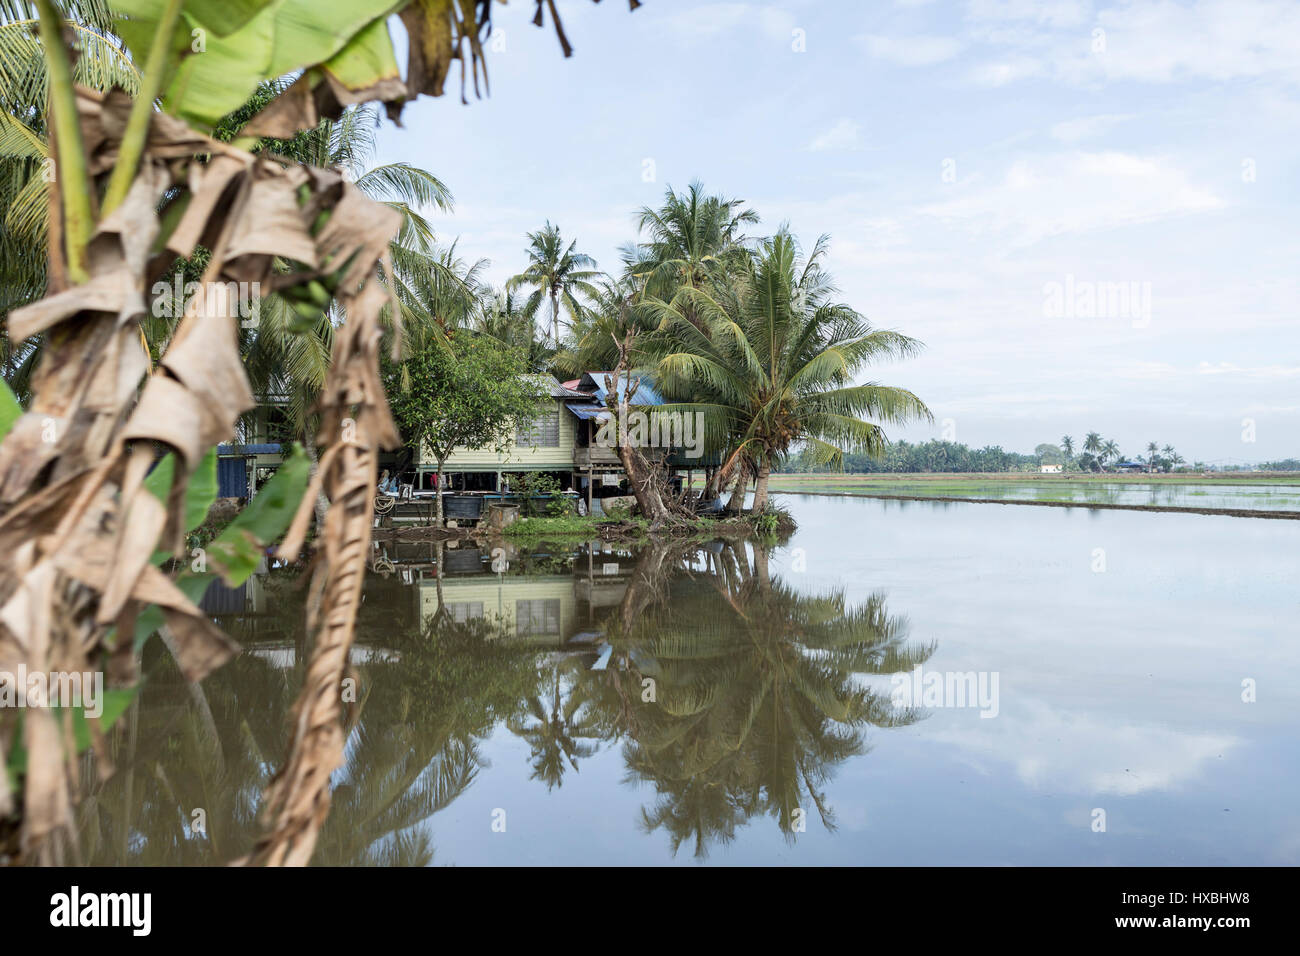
(582, 704)
(1243, 495)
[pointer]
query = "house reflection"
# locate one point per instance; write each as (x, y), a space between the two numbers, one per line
(549, 596)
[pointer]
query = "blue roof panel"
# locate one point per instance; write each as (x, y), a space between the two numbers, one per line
(645, 392)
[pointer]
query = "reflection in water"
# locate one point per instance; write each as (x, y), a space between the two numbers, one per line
(726, 691)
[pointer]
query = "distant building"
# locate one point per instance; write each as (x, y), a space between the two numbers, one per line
(1050, 469)
(561, 441)
(546, 445)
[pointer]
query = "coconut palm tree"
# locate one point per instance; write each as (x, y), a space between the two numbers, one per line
(25, 164)
(1110, 452)
(555, 273)
(1153, 451)
(592, 342)
(501, 316)
(1067, 445)
(691, 238)
(1171, 457)
(1092, 443)
(287, 358)
(774, 363)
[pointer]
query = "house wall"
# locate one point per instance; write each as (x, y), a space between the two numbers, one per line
(498, 601)
(516, 458)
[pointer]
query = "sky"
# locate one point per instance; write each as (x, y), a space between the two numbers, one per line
(1086, 211)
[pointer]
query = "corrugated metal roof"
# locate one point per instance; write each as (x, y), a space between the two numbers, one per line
(645, 392)
(554, 388)
(585, 411)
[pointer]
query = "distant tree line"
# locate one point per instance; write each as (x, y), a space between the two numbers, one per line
(1096, 455)
(939, 456)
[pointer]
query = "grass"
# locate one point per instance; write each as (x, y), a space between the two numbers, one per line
(777, 521)
(586, 526)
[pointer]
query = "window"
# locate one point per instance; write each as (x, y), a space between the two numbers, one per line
(462, 611)
(540, 617)
(544, 432)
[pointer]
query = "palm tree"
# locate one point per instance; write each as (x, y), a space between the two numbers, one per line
(1067, 444)
(775, 361)
(592, 342)
(555, 273)
(501, 317)
(689, 239)
(435, 289)
(1153, 450)
(1171, 457)
(1092, 443)
(25, 166)
(1110, 452)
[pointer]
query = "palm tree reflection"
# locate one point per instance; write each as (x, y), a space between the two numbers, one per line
(731, 693)
(751, 693)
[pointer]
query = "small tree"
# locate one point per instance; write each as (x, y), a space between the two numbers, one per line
(471, 394)
(1049, 454)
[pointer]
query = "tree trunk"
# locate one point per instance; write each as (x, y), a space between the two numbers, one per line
(760, 489)
(711, 478)
(737, 502)
(437, 492)
(645, 485)
(555, 319)
(322, 503)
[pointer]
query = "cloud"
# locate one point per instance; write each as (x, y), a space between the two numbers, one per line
(1088, 127)
(1084, 753)
(1258, 372)
(845, 134)
(1151, 41)
(707, 21)
(1006, 71)
(914, 50)
(1052, 195)
(1057, 13)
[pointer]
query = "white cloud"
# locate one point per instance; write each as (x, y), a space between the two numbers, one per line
(1153, 41)
(914, 50)
(1052, 195)
(707, 21)
(1258, 372)
(1088, 127)
(1057, 13)
(1090, 754)
(1158, 41)
(1006, 71)
(845, 134)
